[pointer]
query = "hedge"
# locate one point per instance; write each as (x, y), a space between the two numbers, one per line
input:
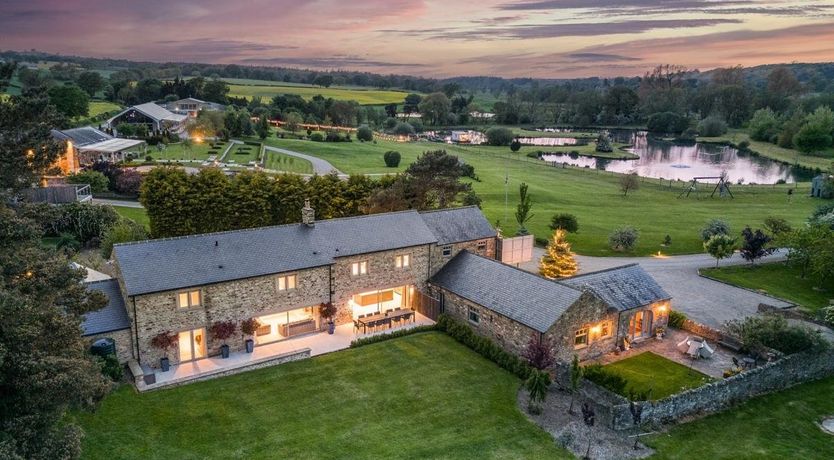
(483, 346)
(393, 335)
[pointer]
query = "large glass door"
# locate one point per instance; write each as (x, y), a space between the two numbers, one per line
(192, 344)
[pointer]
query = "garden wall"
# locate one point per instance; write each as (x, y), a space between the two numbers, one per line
(713, 397)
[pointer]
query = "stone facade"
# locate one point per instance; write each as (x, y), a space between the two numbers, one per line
(659, 318)
(484, 247)
(228, 301)
(123, 339)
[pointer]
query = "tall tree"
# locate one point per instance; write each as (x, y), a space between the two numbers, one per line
(27, 149)
(435, 108)
(558, 261)
(70, 100)
(522, 212)
(91, 82)
(165, 195)
(755, 245)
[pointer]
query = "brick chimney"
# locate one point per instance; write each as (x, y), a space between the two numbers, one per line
(308, 214)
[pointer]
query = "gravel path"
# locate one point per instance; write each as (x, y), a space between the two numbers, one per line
(320, 167)
(704, 300)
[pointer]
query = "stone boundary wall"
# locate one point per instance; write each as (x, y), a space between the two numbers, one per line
(295, 355)
(790, 313)
(713, 397)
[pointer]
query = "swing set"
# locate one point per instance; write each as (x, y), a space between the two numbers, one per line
(722, 186)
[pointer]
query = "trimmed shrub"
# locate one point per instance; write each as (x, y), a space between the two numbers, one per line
(484, 347)
(392, 158)
(364, 134)
(712, 126)
(564, 221)
(316, 137)
(499, 136)
(714, 227)
(676, 319)
(623, 238)
(757, 333)
(110, 367)
(361, 342)
(98, 182)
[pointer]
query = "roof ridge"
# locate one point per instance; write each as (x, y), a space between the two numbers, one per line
(99, 281)
(536, 275)
(265, 227)
(430, 211)
(609, 269)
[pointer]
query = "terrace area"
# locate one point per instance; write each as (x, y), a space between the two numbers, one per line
(300, 347)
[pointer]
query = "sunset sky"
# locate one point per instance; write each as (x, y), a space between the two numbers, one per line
(550, 39)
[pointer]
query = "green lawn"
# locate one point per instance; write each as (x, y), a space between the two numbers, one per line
(421, 396)
(664, 377)
(281, 162)
(768, 150)
(777, 279)
(140, 215)
(242, 154)
(777, 426)
(268, 89)
(593, 196)
(196, 151)
(100, 107)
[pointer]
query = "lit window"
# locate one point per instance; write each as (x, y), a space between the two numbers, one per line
(286, 282)
(482, 246)
(403, 261)
(474, 317)
(359, 268)
(581, 338)
(606, 329)
(188, 299)
(447, 251)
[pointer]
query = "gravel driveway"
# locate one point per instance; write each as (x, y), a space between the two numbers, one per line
(706, 301)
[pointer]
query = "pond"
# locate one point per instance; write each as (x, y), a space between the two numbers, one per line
(682, 161)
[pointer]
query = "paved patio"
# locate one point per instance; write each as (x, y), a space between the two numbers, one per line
(318, 343)
(714, 366)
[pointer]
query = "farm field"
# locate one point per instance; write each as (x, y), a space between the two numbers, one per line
(593, 196)
(100, 107)
(268, 89)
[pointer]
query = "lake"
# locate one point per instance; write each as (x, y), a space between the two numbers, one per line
(682, 161)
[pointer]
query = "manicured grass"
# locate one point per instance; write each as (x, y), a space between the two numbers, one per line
(588, 150)
(281, 162)
(593, 196)
(420, 396)
(140, 215)
(776, 426)
(530, 132)
(664, 377)
(773, 151)
(777, 279)
(197, 151)
(242, 154)
(268, 89)
(100, 107)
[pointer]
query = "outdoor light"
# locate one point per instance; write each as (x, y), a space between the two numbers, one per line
(596, 329)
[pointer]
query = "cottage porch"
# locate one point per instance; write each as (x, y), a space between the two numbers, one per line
(293, 349)
(721, 360)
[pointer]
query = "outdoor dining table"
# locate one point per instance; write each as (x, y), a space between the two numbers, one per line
(404, 313)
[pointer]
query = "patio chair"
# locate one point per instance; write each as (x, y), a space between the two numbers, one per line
(705, 351)
(357, 326)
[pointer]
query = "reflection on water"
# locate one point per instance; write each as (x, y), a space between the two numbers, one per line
(670, 160)
(552, 141)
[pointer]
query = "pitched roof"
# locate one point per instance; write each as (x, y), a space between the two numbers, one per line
(86, 135)
(154, 111)
(623, 288)
(174, 263)
(113, 317)
(522, 296)
(458, 224)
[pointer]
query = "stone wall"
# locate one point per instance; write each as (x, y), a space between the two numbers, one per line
(588, 312)
(716, 396)
(227, 301)
(123, 339)
(438, 260)
(382, 274)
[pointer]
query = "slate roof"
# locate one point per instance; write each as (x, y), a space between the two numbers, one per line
(623, 288)
(458, 224)
(522, 296)
(81, 136)
(113, 317)
(174, 263)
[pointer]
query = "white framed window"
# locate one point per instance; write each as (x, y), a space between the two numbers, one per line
(287, 282)
(580, 339)
(359, 268)
(447, 250)
(403, 261)
(482, 245)
(474, 317)
(188, 299)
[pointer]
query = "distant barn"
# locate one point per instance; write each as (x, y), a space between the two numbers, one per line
(822, 186)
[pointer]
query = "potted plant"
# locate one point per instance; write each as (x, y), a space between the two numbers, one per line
(328, 311)
(659, 332)
(249, 327)
(222, 330)
(164, 341)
